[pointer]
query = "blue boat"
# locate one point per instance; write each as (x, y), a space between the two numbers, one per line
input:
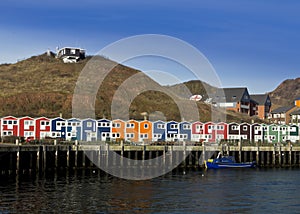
(222, 162)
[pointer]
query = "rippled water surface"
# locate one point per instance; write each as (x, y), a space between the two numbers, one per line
(212, 191)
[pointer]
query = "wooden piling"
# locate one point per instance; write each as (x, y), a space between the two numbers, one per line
(44, 157)
(240, 151)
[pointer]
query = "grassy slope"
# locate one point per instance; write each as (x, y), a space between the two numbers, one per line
(44, 86)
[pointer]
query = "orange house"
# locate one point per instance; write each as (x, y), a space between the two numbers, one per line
(145, 131)
(118, 129)
(297, 102)
(132, 131)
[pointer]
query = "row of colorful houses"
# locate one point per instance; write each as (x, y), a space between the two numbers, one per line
(144, 131)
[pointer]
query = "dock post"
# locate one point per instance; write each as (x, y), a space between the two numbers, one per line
(156, 157)
(122, 153)
(83, 159)
(240, 151)
(38, 159)
(164, 156)
(107, 154)
(257, 153)
(129, 157)
(45, 157)
(274, 155)
(191, 158)
(203, 152)
(76, 153)
(171, 155)
(56, 157)
(144, 155)
(197, 158)
(279, 155)
(290, 153)
(18, 160)
(99, 156)
(184, 154)
(68, 157)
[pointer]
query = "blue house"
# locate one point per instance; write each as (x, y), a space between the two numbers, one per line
(172, 131)
(89, 129)
(73, 129)
(159, 131)
(58, 128)
(185, 131)
(103, 129)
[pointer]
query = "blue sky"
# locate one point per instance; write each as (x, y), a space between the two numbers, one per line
(250, 43)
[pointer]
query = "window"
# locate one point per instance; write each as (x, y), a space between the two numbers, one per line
(130, 125)
(161, 126)
(199, 127)
(115, 135)
(143, 136)
(116, 125)
(174, 126)
(89, 124)
(146, 126)
(245, 128)
(130, 135)
(186, 126)
(234, 127)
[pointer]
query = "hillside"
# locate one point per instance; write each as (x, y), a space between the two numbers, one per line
(44, 86)
(285, 93)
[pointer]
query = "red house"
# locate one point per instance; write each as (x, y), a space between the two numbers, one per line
(27, 127)
(9, 126)
(42, 127)
(221, 131)
(210, 132)
(197, 131)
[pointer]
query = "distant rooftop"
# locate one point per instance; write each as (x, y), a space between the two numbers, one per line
(283, 109)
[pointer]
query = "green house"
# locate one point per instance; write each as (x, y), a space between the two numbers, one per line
(273, 133)
(294, 133)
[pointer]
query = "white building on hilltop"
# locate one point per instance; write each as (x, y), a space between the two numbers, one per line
(70, 55)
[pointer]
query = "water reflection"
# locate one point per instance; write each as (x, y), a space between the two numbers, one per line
(86, 191)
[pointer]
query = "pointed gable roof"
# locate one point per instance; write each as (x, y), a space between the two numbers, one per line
(234, 94)
(260, 98)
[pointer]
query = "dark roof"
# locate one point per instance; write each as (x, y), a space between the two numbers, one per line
(259, 98)
(282, 109)
(296, 112)
(232, 94)
(297, 98)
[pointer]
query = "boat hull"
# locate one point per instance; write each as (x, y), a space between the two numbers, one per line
(210, 165)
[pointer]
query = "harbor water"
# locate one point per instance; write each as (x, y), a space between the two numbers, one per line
(272, 190)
